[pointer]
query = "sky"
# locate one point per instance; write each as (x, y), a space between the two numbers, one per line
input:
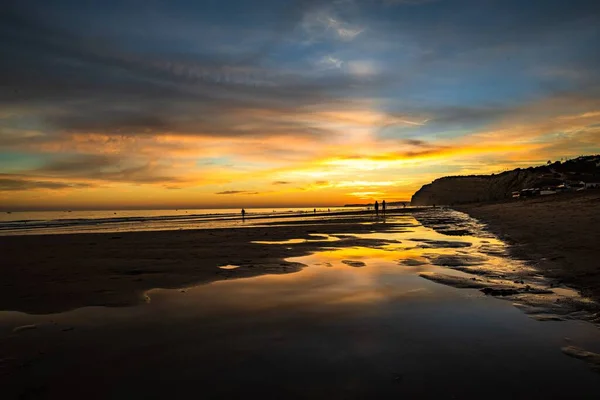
(109, 104)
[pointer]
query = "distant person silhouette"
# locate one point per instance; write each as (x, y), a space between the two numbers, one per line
(376, 208)
(383, 207)
(404, 204)
(315, 211)
(243, 214)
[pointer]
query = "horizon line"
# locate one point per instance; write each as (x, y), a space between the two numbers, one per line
(34, 209)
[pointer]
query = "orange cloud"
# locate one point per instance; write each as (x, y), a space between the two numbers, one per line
(353, 163)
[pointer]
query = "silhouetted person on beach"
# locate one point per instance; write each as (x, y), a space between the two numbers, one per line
(376, 208)
(315, 211)
(243, 214)
(404, 204)
(383, 207)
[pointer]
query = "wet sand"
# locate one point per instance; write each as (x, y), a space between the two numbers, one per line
(354, 308)
(53, 273)
(558, 234)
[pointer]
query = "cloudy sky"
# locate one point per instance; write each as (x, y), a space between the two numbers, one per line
(223, 103)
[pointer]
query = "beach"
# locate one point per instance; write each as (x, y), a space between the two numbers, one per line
(348, 306)
(558, 234)
(53, 273)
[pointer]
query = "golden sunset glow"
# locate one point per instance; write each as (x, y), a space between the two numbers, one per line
(349, 121)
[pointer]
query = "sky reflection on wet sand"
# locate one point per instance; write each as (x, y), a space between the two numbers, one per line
(376, 330)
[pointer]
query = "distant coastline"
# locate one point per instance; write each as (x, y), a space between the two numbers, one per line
(580, 173)
(56, 222)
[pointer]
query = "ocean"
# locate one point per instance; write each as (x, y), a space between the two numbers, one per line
(62, 222)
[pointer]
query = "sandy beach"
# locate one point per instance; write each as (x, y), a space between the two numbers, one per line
(559, 235)
(349, 307)
(53, 273)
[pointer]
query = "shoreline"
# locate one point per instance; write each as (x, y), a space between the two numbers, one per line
(173, 222)
(559, 235)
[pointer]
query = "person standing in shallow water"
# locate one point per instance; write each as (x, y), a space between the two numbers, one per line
(383, 207)
(376, 208)
(243, 214)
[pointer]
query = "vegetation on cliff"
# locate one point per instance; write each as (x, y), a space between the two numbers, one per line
(476, 188)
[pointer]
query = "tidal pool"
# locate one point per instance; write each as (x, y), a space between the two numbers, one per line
(356, 322)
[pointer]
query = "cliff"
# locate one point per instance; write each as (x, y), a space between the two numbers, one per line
(475, 188)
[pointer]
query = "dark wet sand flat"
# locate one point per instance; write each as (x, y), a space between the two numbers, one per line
(53, 273)
(360, 308)
(558, 234)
